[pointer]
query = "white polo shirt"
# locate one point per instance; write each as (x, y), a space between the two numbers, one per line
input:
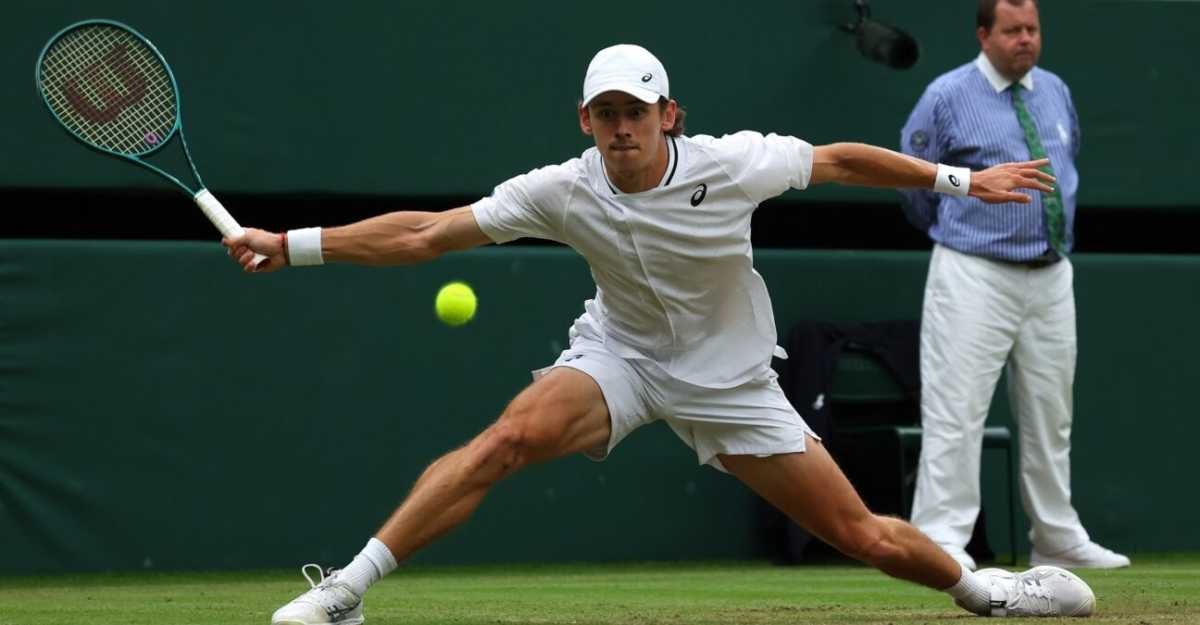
(675, 281)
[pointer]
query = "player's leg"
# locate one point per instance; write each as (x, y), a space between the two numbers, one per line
(563, 412)
(753, 432)
(968, 325)
(811, 489)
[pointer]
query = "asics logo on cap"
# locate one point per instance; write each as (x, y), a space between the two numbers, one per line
(647, 77)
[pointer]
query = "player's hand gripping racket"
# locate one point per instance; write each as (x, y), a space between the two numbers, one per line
(111, 89)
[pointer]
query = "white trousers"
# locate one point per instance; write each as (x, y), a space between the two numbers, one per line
(981, 315)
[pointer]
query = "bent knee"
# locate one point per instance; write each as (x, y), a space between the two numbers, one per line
(516, 440)
(499, 450)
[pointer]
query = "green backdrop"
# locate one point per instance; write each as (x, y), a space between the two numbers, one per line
(160, 409)
(450, 98)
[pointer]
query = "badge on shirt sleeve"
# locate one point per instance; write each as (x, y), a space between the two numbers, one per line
(918, 141)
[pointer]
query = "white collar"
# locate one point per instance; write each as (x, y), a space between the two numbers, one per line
(1000, 83)
(668, 175)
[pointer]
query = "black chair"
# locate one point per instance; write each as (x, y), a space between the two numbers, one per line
(872, 414)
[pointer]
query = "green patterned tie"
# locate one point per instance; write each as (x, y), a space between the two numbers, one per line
(1051, 202)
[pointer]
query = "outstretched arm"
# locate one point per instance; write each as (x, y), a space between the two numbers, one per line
(400, 238)
(869, 166)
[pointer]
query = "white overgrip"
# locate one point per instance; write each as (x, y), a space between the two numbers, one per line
(221, 218)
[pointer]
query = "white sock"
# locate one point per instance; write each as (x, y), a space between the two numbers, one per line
(368, 567)
(972, 592)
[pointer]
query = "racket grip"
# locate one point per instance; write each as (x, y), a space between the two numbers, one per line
(221, 218)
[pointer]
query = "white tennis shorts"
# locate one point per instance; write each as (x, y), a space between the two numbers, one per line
(754, 418)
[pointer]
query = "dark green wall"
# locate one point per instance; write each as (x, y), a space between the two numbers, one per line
(160, 409)
(450, 98)
(155, 406)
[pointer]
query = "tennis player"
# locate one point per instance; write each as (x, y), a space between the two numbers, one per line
(680, 330)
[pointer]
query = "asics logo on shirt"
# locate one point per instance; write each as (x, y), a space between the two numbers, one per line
(698, 195)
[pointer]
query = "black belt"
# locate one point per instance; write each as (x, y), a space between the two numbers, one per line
(1047, 258)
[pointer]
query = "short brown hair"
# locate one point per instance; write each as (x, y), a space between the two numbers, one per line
(986, 17)
(678, 129)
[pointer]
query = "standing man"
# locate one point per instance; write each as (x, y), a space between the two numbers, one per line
(680, 330)
(999, 291)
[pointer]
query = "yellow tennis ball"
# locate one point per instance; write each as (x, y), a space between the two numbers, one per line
(455, 303)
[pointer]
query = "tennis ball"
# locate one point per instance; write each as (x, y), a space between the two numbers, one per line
(455, 303)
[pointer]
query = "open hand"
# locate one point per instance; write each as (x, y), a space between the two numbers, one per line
(996, 185)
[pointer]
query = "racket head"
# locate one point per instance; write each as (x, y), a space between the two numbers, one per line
(108, 86)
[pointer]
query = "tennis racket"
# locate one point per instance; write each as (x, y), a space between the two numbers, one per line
(114, 92)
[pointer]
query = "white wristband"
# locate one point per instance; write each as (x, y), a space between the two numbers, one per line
(304, 247)
(952, 180)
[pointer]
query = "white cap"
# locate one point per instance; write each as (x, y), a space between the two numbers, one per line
(627, 68)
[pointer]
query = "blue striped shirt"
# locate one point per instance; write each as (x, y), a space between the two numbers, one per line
(966, 118)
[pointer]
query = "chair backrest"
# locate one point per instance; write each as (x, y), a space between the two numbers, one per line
(865, 392)
(853, 372)
(860, 377)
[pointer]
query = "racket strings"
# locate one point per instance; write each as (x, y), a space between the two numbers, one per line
(110, 89)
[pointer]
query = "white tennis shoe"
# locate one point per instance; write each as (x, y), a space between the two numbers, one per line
(1040, 591)
(327, 602)
(1089, 555)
